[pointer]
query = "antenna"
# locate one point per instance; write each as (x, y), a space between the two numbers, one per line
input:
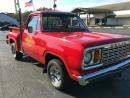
(54, 5)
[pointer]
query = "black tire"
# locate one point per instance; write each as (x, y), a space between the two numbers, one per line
(16, 54)
(63, 79)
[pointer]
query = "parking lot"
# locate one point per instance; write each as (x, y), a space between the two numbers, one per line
(25, 79)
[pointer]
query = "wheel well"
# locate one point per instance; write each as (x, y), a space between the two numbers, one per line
(49, 57)
(11, 41)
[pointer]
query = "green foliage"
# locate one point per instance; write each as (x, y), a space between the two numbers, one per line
(25, 15)
(44, 9)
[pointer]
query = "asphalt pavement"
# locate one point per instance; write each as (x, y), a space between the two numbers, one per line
(25, 79)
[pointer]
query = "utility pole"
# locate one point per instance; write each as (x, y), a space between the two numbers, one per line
(15, 6)
(18, 10)
(54, 5)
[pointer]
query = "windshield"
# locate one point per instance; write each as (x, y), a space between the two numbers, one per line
(63, 22)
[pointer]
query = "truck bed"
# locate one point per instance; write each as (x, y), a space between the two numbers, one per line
(14, 29)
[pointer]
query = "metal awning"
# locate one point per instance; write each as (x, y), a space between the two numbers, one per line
(91, 10)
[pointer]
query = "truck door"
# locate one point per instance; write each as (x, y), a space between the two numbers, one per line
(30, 34)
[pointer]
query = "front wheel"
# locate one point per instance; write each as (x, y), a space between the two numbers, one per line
(57, 74)
(16, 54)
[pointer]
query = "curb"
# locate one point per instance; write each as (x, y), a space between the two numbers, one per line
(125, 27)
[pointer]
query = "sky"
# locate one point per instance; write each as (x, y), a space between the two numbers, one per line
(63, 5)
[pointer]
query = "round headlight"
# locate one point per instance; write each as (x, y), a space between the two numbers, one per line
(87, 57)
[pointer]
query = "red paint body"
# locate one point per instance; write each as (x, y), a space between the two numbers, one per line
(68, 46)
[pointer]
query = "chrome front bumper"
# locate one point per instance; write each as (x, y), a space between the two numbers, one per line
(88, 78)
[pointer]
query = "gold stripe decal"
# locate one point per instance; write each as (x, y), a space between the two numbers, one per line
(29, 40)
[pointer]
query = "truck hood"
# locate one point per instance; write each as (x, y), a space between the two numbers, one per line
(91, 38)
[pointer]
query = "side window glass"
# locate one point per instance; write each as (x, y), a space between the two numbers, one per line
(32, 25)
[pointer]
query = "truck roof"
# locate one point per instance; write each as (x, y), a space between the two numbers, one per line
(52, 12)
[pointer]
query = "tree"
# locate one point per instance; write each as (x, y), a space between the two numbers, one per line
(44, 9)
(25, 15)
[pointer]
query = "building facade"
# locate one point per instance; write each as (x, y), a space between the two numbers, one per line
(105, 15)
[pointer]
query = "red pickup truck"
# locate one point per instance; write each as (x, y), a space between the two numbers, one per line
(68, 50)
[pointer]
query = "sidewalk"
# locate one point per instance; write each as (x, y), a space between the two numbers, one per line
(109, 27)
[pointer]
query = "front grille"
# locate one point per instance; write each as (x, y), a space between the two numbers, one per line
(114, 53)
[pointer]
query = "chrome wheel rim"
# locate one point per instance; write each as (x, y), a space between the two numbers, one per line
(55, 75)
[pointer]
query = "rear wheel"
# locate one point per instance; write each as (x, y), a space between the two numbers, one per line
(16, 54)
(57, 74)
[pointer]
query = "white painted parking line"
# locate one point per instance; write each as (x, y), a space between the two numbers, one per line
(118, 27)
(107, 27)
(90, 27)
(97, 27)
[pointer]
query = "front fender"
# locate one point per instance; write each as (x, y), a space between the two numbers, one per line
(70, 53)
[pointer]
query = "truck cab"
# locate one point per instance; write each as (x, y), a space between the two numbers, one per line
(68, 50)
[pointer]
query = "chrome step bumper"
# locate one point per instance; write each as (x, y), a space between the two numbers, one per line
(83, 80)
